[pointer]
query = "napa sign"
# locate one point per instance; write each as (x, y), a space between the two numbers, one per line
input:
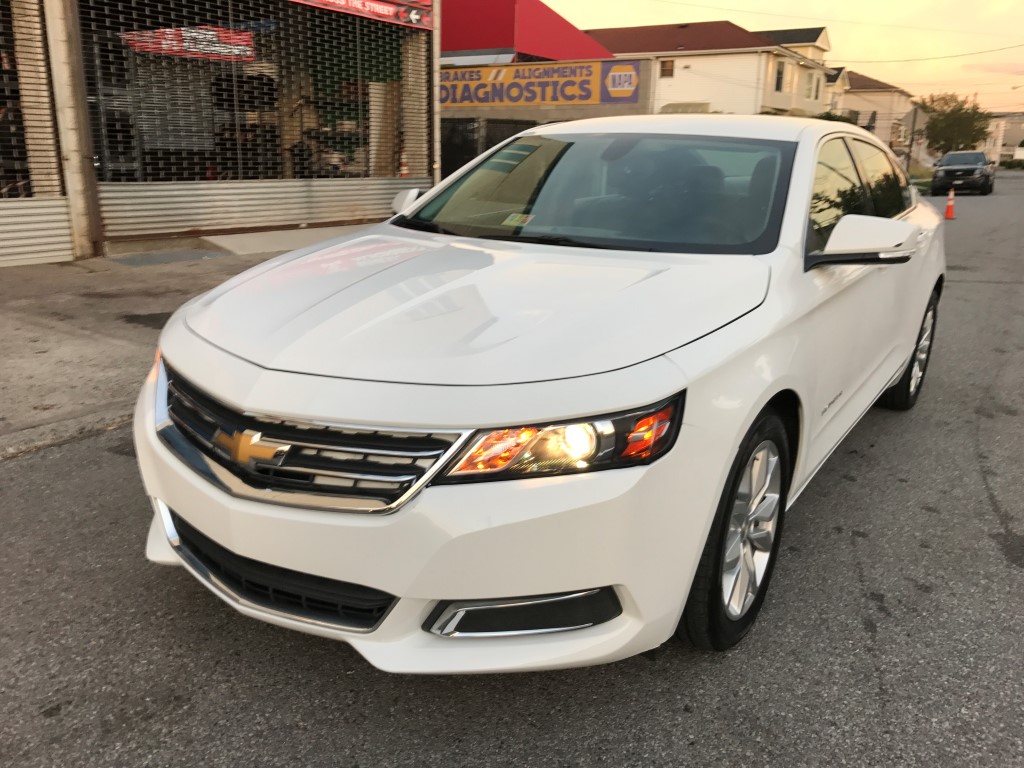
(545, 84)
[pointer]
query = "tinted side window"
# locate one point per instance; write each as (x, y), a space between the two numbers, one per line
(889, 192)
(837, 192)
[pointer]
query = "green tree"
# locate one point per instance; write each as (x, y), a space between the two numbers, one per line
(953, 122)
(837, 117)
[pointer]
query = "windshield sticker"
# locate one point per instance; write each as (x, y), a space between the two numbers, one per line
(517, 220)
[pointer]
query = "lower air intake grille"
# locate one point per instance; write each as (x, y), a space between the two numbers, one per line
(337, 602)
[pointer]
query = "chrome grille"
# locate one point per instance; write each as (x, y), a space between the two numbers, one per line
(298, 463)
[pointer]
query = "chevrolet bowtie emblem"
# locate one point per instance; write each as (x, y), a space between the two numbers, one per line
(249, 448)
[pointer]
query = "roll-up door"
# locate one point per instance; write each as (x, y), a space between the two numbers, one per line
(179, 208)
(221, 115)
(34, 222)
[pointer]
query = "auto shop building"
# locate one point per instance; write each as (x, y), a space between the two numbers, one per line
(153, 119)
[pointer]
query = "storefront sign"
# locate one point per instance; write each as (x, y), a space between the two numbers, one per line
(211, 43)
(542, 85)
(412, 13)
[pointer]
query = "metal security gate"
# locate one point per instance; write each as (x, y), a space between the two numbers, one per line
(220, 115)
(146, 210)
(34, 219)
(460, 143)
(463, 138)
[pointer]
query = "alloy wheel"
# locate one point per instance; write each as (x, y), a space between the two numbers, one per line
(750, 538)
(923, 350)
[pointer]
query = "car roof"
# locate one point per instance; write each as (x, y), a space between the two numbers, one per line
(772, 127)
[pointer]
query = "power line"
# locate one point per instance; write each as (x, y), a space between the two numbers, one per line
(969, 82)
(928, 58)
(822, 18)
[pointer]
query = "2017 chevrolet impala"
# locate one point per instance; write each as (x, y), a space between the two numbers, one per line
(556, 410)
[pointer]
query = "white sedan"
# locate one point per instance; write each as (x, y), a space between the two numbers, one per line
(555, 411)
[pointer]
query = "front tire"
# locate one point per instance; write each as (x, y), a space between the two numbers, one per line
(740, 552)
(902, 395)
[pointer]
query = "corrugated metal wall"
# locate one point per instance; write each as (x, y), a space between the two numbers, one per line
(34, 223)
(176, 208)
(34, 231)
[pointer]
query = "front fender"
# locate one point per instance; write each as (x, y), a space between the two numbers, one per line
(734, 374)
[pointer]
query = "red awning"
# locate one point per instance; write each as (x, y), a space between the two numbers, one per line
(524, 26)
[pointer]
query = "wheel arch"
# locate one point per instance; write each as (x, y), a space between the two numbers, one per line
(786, 403)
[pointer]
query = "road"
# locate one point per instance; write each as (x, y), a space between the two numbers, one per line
(893, 634)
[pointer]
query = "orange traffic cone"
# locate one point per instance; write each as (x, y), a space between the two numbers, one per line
(403, 165)
(950, 201)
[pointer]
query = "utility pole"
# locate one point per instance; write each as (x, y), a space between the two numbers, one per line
(910, 141)
(72, 113)
(435, 93)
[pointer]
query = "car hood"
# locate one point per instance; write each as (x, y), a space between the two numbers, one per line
(403, 306)
(968, 167)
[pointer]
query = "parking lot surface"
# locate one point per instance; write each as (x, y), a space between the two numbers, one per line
(893, 634)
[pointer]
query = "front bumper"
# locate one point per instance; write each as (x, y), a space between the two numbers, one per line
(974, 183)
(622, 528)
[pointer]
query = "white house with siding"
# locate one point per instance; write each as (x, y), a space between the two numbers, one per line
(717, 66)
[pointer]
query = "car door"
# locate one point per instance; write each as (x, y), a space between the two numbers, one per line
(903, 285)
(848, 314)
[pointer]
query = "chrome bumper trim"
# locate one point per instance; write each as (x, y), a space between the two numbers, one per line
(447, 624)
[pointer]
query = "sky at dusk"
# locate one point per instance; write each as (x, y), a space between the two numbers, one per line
(866, 35)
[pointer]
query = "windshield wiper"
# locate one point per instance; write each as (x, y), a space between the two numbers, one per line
(422, 226)
(550, 240)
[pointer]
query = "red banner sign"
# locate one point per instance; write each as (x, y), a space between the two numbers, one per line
(211, 43)
(411, 13)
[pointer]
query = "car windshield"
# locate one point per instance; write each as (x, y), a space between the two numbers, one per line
(964, 158)
(645, 192)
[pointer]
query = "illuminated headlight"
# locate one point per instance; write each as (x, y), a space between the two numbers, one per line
(604, 442)
(977, 171)
(940, 173)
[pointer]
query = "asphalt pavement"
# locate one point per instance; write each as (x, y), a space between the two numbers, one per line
(893, 634)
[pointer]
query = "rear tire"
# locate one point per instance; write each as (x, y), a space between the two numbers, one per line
(744, 539)
(902, 395)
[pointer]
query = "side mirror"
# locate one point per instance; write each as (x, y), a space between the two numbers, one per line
(404, 199)
(860, 239)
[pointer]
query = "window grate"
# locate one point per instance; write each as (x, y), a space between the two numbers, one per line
(222, 90)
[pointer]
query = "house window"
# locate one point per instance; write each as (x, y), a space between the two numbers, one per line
(817, 88)
(668, 67)
(808, 85)
(780, 76)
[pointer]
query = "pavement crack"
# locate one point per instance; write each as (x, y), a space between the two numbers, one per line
(20, 448)
(870, 624)
(1010, 543)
